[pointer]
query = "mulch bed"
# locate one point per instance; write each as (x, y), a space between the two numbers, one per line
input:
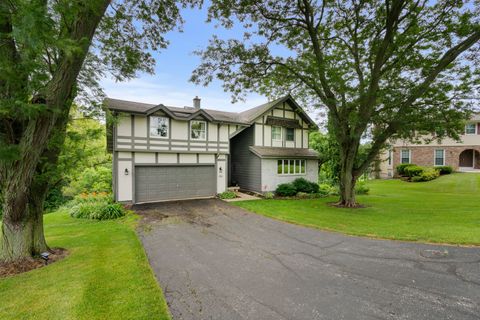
(13, 268)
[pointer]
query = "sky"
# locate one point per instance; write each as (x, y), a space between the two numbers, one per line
(169, 85)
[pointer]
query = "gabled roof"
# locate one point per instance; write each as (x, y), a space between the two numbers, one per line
(246, 117)
(275, 152)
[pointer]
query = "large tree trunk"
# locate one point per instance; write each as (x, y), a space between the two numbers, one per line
(347, 184)
(22, 228)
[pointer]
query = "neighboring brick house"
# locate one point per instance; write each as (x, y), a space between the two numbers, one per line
(462, 156)
(171, 153)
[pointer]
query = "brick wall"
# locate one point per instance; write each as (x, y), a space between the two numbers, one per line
(424, 155)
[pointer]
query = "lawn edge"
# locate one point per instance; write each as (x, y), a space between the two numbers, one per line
(326, 229)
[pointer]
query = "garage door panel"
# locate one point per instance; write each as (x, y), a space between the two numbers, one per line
(157, 183)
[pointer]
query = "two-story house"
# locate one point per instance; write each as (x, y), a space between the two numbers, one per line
(170, 153)
(463, 155)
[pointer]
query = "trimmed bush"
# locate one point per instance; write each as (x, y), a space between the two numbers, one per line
(426, 175)
(413, 171)
(303, 185)
(227, 195)
(444, 170)
(286, 190)
(401, 168)
(361, 188)
(268, 195)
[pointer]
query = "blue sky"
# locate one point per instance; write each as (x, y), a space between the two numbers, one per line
(169, 85)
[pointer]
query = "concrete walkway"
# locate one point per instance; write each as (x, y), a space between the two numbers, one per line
(216, 261)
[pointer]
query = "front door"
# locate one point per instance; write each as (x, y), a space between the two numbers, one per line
(466, 159)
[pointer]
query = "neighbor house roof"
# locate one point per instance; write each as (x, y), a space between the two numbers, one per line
(187, 113)
(272, 152)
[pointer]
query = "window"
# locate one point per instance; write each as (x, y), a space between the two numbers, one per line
(277, 133)
(290, 134)
(470, 128)
(405, 156)
(390, 157)
(290, 166)
(159, 127)
(439, 157)
(198, 130)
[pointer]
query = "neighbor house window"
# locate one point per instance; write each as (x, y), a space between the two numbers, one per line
(291, 166)
(405, 156)
(198, 130)
(440, 157)
(389, 157)
(471, 128)
(159, 127)
(277, 133)
(290, 134)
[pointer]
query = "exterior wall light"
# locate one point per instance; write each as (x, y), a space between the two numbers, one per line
(220, 170)
(126, 171)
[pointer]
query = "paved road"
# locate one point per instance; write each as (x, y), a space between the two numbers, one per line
(216, 261)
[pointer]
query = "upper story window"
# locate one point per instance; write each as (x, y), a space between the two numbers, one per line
(439, 157)
(198, 130)
(159, 127)
(290, 134)
(277, 133)
(405, 156)
(471, 128)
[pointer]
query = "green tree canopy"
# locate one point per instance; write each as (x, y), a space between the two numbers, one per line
(385, 69)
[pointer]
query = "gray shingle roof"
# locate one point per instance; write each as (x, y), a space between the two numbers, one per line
(273, 152)
(245, 117)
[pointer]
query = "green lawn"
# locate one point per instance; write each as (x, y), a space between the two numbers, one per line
(106, 276)
(445, 210)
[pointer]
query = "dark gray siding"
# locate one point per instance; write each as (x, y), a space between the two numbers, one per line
(245, 166)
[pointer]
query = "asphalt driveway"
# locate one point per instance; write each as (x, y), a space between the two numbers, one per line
(216, 261)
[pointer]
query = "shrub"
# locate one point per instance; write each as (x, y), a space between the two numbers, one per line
(401, 168)
(98, 206)
(268, 195)
(413, 171)
(444, 169)
(361, 188)
(328, 190)
(427, 175)
(303, 185)
(302, 195)
(286, 190)
(97, 179)
(227, 195)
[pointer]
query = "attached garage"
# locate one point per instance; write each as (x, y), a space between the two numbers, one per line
(160, 183)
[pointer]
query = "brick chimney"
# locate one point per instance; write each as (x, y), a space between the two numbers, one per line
(196, 102)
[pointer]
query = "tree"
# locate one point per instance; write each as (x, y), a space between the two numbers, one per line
(382, 69)
(50, 52)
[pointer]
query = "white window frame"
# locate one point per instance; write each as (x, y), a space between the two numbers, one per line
(286, 134)
(191, 130)
(281, 133)
(409, 155)
(474, 127)
(435, 157)
(303, 167)
(152, 134)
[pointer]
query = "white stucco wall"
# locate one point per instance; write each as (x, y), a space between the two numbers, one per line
(271, 179)
(124, 182)
(179, 129)
(222, 173)
(140, 123)
(124, 126)
(144, 157)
